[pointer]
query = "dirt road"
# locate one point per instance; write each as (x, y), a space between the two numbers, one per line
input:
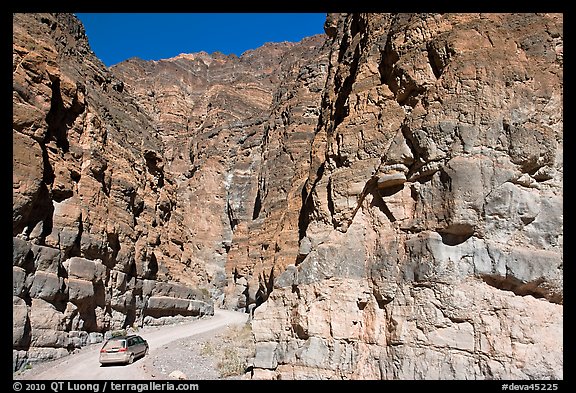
(84, 364)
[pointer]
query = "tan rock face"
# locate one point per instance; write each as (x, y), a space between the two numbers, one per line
(431, 234)
(237, 134)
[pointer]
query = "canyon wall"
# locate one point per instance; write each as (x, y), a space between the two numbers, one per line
(92, 205)
(152, 189)
(431, 228)
(386, 199)
(237, 132)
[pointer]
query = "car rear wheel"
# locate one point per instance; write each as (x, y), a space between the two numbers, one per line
(131, 359)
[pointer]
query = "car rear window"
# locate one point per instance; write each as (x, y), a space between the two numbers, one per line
(115, 344)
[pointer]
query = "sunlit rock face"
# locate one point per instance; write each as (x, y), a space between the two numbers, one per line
(431, 232)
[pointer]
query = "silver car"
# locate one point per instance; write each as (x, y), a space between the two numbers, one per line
(123, 349)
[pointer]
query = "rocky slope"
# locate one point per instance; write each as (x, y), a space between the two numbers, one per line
(388, 197)
(431, 237)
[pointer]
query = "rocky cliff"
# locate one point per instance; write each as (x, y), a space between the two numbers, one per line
(386, 199)
(153, 189)
(431, 233)
(92, 242)
(237, 132)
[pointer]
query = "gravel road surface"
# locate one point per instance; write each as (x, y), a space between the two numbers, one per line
(84, 364)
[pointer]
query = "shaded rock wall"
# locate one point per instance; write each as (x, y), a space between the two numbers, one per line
(431, 233)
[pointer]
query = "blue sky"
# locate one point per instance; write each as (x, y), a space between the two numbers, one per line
(118, 36)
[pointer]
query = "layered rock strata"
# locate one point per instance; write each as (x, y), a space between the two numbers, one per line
(92, 243)
(432, 225)
(237, 132)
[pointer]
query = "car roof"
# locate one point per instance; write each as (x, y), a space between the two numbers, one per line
(123, 337)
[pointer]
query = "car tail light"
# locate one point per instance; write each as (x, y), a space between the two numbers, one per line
(122, 349)
(102, 350)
